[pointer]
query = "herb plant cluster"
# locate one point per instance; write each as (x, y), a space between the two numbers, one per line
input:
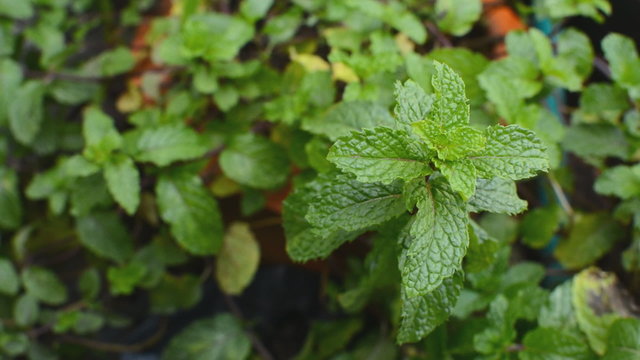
(148, 145)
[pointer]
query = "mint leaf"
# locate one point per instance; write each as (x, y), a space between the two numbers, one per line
(100, 135)
(44, 285)
(595, 9)
(624, 62)
(451, 106)
(539, 225)
(10, 204)
(345, 117)
(380, 154)
(342, 203)
(621, 181)
(255, 9)
(596, 141)
(413, 103)
(302, 243)
(10, 80)
(512, 153)
(22, 10)
(104, 234)
(123, 181)
(26, 310)
(9, 281)
(558, 312)
(191, 211)
(457, 17)
(165, 144)
(26, 111)
(461, 175)
(255, 161)
(422, 314)
(601, 102)
(238, 259)
(230, 33)
(439, 239)
(497, 196)
(549, 343)
(451, 143)
(218, 338)
(623, 340)
(598, 303)
(591, 237)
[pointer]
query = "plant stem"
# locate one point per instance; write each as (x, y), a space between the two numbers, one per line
(561, 196)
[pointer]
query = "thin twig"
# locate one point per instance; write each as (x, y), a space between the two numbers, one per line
(561, 196)
(257, 344)
(602, 66)
(118, 348)
(62, 76)
(441, 38)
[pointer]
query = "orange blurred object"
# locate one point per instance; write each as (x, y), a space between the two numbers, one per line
(500, 20)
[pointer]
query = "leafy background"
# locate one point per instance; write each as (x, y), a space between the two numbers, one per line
(148, 146)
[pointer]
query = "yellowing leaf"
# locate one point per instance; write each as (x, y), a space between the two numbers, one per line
(344, 73)
(309, 62)
(238, 260)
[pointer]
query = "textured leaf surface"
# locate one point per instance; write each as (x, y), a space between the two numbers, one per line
(255, 161)
(450, 143)
(165, 144)
(440, 239)
(451, 106)
(238, 259)
(302, 242)
(413, 102)
(624, 340)
(422, 314)
(191, 211)
(512, 153)
(123, 181)
(218, 338)
(461, 175)
(345, 117)
(497, 196)
(343, 203)
(105, 235)
(380, 154)
(44, 285)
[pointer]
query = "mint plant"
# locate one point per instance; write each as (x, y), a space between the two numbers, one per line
(431, 160)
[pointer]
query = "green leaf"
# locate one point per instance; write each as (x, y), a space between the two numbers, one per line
(115, 62)
(591, 237)
(89, 284)
(439, 239)
(558, 312)
(123, 181)
(380, 154)
(422, 314)
(328, 337)
(100, 135)
(623, 340)
(461, 175)
(255, 9)
(88, 193)
(560, 9)
(512, 153)
(10, 81)
(624, 62)
(230, 35)
(457, 17)
(500, 332)
(596, 141)
(497, 196)
(218, 338)
(539, 225)
(341, 203)
(451, 143)
(44, 285)
(238, 260)
(601, 102)
(450, 107)
(255, 161)
(165, 144)
(191, 211)
(9, 281)
(302, 243)
(124, 279)
(175, 293)
(10, 204)
(26, 111)
(345, 117)
(26, 310)
(103, 234)
(413, 103)
(554, 344)
(621, 181)
(598, 302)
(21, 10)
(468, 64)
